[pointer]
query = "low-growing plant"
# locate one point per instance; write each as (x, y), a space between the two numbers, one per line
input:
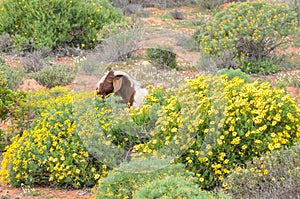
(232, 73)
(121, 183)
(5, 43)
(251, 32)
(50, 152)
(209, 4)
(288, 79)
(148, 74)
(276, 174)
(162, 57)
(174, 187)
(14, 77)
(34, 62)
(177, 14)
(52, 76)
(187, 42)
(212, 125)
(53, 24)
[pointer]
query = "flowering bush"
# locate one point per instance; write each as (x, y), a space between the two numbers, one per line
(249, 33)
(55, 23)
(50, 152)
(212, 124)
(12, 106)
(275, 174)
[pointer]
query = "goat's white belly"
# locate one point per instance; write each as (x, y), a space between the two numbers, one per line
(139, 96)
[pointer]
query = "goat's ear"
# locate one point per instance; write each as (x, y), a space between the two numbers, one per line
(117, 83)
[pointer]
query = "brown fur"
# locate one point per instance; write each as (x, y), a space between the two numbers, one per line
(106, 87)
(119, 85)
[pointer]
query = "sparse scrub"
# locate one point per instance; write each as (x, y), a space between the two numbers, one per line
(55, 23)
(273, 175)
(151, 3)
(52, 76)
(249, 33)
(34, 62)
(14, 77)
(119, 46)
(176, 14)
(187, 42)
(288, 79)
(209, 4)
(151, 75)
(5, 43)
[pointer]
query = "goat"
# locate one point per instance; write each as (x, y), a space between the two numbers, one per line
(122, 84)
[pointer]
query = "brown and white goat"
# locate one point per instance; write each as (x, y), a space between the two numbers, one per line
(122, 84)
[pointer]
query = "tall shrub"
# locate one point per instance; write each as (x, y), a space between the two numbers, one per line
(249, 34)
(55, 23)
(212, 125)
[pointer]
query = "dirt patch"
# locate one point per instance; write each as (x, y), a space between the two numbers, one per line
(31, 84)
(10, 192)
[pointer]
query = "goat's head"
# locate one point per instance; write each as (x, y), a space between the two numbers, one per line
(119, 83)
(105, 85)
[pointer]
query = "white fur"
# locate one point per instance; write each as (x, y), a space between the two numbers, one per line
(139, 96)
(102, 80)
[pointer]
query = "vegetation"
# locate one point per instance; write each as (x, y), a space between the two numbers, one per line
(249, 33)
(162, 57)
(55, 23)
(50, 152)
(11, 107)
(14, 77)
(52, 76)
(231, 73)
(274, 174)
(225, 136)
(216, 124)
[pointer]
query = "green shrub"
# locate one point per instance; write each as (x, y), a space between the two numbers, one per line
(162, 57)
(231, 73)
(212, 125)
(55, 23)
(173, 187)
(249, 33)
(14, 76)
(274, 174)
(12, 105)
(124, 184)
(50, 152)
(52, 76)
(209, 4)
